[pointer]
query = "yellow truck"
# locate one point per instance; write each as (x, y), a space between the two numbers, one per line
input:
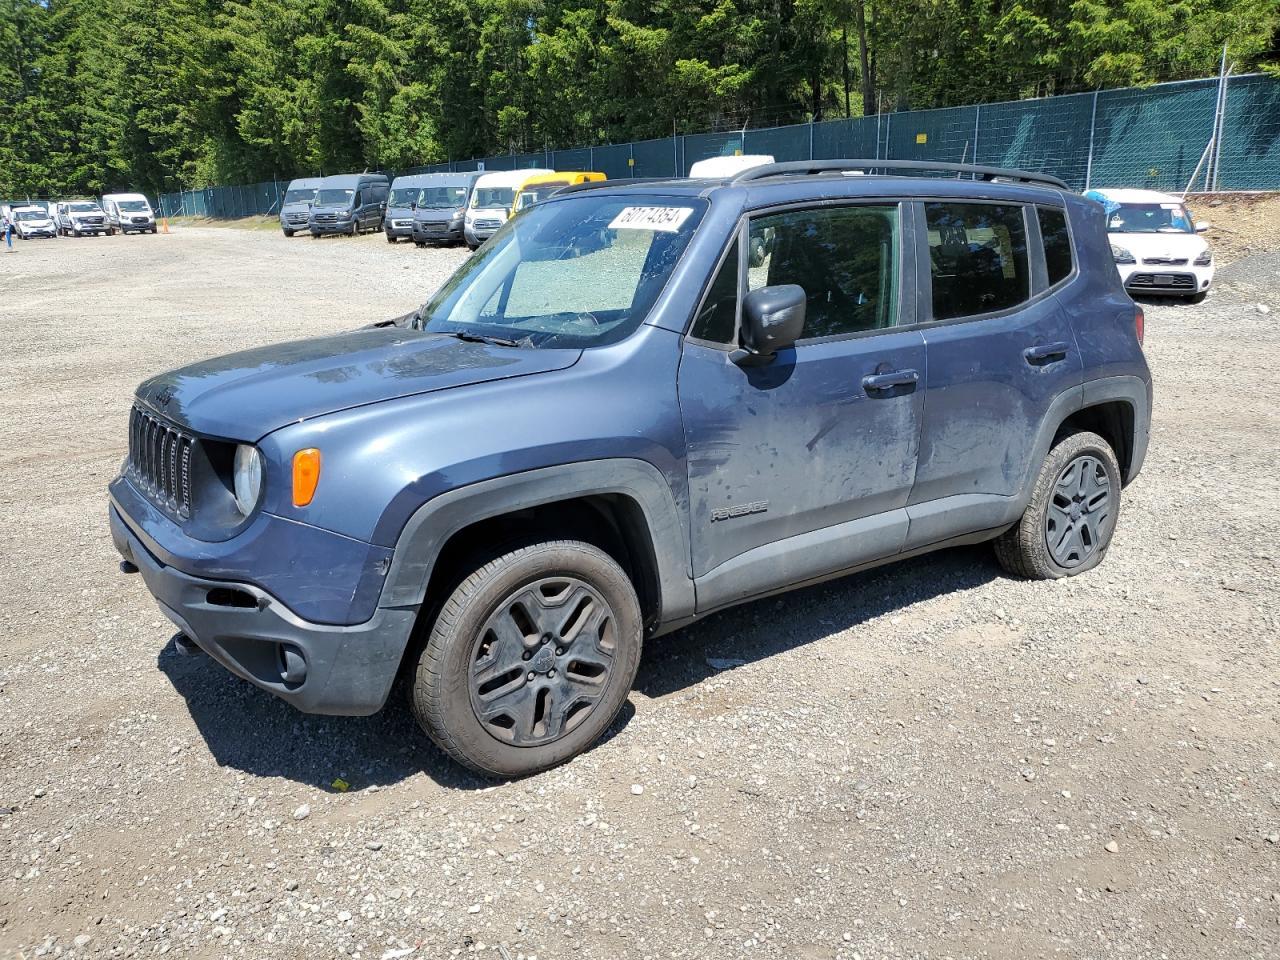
(542, 185)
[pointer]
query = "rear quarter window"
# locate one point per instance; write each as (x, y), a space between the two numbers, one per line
(1058, 257)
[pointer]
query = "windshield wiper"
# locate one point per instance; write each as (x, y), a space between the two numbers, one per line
(482, 338)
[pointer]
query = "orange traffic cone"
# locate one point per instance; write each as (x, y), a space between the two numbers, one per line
(164, 228)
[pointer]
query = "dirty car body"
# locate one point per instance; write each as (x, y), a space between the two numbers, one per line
(678, 427)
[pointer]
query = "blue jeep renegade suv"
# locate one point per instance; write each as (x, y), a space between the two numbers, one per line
(637, 404)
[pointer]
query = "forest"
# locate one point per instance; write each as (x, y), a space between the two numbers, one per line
(165, 94)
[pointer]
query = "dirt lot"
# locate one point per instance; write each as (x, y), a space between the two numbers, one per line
(927, 760)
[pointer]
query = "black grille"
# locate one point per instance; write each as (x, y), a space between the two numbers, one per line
(325, 218)
(140, 220)
(1166, 261)
(1175, 281)
(160, 461)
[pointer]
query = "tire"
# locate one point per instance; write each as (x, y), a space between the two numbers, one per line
(420, 244)
(543, 580)
(1066, 528)
(1198, 297)
(288, 233)
(355, 227)
(390, 238)
(153, 230)
(76, 233)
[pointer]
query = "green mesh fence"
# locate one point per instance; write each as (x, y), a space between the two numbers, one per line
(1156, 137)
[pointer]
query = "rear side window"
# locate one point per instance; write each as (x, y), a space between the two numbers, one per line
(718, 317)
(845, 258)
(1057, 243)
(977, 258)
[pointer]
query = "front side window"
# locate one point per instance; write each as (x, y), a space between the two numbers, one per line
(579, 272)
(1057, 243)
(977, 258)
(404, 196)
(718, 318)
(845, 258)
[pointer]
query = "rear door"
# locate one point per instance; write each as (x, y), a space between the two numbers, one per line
(803, 466)
(1000, 351)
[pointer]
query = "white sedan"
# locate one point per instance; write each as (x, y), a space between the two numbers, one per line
(1156, 244)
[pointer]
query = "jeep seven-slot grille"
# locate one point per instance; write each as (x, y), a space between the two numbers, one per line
(160, 461)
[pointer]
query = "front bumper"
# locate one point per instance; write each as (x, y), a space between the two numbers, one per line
(31, 234)
(330, 226)
(398, 228)
(345, 670)
(1183, 280)
(130, 227)
(437, 231)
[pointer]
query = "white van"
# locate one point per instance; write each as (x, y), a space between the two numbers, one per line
(129, 213)
(716, 168)
(491, 201)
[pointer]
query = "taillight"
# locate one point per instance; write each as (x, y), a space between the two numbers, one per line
(1139, 322)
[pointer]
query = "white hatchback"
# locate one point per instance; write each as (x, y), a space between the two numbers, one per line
(1156, 244)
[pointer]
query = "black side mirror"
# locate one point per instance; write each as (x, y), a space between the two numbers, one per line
(772, 320)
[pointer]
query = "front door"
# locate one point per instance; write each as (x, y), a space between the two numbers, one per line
(802, 466)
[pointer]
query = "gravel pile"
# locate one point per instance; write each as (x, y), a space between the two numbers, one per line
(928, 759)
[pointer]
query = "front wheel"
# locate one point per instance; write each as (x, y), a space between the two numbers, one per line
(1067, 527)
(288, 233)
(529, 659)
(390, 238)
(1198, 297)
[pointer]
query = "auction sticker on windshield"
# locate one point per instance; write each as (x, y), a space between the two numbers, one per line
(665, 219)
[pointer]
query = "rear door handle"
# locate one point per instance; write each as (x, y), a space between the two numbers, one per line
(887, 381)
(1046, 353)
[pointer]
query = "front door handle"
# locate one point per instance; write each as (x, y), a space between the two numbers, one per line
(873, 382)
(1046, 353)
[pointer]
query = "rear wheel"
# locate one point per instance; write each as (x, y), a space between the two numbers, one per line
(1067, 527)
(529, 659)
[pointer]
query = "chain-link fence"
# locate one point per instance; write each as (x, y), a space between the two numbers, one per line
(1210, 134)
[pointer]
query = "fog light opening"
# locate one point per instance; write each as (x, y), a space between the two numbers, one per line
(293, 666)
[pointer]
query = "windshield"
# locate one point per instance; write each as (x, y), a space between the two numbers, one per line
(84, 208)
(403, 196)
(581, 272)
(489, 198)
(133, 206)
(443, 198)
(334, 198)
(300, 195)
(1150, 218)
(531, 195)
(31, 215)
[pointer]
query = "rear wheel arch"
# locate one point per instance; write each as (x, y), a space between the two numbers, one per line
(1113, 420)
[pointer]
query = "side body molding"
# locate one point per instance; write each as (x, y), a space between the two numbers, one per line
(432, 524)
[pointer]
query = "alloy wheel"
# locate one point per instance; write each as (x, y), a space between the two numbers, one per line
(542, 661)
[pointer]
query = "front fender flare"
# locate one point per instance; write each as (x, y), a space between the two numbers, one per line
(429, 528)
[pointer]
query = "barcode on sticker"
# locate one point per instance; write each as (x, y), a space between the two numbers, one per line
(666, 219)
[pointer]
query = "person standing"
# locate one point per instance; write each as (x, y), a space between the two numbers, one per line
(8, 230)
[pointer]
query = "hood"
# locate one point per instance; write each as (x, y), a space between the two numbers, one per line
(1163, 245)
(245, 396)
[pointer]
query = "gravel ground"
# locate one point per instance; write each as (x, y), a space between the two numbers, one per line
(931, 759)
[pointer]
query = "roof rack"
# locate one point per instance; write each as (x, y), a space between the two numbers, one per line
(804, 167)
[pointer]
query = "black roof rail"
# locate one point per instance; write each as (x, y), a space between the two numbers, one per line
(867, 166)
(620, 182)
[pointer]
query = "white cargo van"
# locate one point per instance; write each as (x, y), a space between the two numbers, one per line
(129, 213)
(491, 200)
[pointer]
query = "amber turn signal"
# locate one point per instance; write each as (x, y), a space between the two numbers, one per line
(306, 474)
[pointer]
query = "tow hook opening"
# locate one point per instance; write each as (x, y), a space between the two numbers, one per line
(231, 597)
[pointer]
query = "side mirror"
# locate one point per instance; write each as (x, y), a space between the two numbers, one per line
(772, 320)
(1202, 226)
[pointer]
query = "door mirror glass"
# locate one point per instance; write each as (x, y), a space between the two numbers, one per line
(1203, 226)
(772, 320)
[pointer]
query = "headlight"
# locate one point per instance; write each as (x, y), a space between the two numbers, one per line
(1204, 259)
(1122, 255)
(248, 478)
